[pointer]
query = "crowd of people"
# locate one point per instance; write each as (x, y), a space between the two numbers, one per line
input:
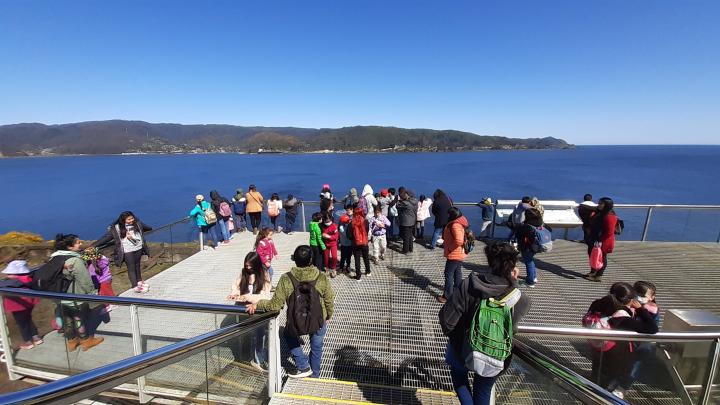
(359, 231)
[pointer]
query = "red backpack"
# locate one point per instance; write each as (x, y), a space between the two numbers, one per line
(359, 232)
(595, 320)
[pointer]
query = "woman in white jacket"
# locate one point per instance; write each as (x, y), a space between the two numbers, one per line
(423, 213)
(370, 200)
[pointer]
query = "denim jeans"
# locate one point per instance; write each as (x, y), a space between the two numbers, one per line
(453, 277)
(481, 393)
(437, 233)
(208, 233)
(316, 348)
(528, 257)
(289, 223)
(224, 233)
(260, 345)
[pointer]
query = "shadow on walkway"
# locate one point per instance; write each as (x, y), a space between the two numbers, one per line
(357, 366)
(410, 276)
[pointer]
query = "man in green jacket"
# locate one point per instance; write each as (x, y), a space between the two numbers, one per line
(304, 271)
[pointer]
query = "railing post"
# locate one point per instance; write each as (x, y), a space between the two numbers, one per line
(712, 372)
(274, 370)
(492, 229)
(201, 240)
(7, 347)
(172, 251)
(647, 224)
(302, 214)
(137, 350)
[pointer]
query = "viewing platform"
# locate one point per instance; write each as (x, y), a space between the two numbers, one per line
(384, 343)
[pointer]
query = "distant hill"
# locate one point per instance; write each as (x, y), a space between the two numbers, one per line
(119, 136)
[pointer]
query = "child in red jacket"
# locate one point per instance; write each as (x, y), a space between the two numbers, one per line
(330, 236)
(21, 307)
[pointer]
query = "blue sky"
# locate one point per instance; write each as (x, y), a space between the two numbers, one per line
(591, 72)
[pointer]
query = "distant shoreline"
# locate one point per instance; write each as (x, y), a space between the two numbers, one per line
(290, 153)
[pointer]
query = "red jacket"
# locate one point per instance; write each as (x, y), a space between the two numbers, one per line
(17, 304)
(359, 228)
(331, 230)
(604, 232)
(453, 239)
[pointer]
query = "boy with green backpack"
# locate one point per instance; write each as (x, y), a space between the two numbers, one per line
(479, 320)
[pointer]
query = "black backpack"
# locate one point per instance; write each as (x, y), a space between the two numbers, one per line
(619, 227)
(305, 315)
(50, 277)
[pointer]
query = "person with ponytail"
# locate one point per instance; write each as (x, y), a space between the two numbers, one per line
(126, 235)
(79, 319)
(457, 313)
(612, 365)
(602, 232)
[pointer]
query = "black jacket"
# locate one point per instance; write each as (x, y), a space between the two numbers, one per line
(456, 314)
(440, 209)
(216, 200)
(112, 237)
(407, 211)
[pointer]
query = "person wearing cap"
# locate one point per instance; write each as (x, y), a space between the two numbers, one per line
(198, 213)
(345, 243)
(327, 200)
(488, 212)
(384, 202)
(21, 307)
(254, 207)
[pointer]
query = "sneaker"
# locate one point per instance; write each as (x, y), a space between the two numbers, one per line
(300, 373)
(333, 273)
(27, 345)
(367, 274)
(91, 342)
(138, 289)
(619, 394)
(530, 285)
(382, 257)
(225, 242)
(257, 366)
(441, 299)
(37, 340)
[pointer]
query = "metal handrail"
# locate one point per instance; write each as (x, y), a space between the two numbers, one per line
(142, 302)
(160, 228)
(556, 331)
(81, 386)
(584, 333)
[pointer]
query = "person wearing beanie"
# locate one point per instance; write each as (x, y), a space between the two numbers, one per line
(345, 243)
(200, 213)
(488, 213)
(239, 203)
(21, 307)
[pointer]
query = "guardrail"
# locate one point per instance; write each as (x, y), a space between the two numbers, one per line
(125, 370)
(106, 377)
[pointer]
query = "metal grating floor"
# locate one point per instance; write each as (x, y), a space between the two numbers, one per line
(385, 330)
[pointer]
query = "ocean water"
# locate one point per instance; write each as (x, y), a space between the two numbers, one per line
(83, 194)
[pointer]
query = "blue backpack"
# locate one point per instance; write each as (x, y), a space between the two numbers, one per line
(239, 207)
(542, 242)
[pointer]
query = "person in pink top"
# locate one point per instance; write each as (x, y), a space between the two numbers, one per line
(21, 307)
(265, 248)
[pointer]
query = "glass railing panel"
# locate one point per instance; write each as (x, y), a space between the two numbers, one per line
(642, 372)
(222, 374)
(77, 336)
(237, 369)
(525, 384)
(677, 225)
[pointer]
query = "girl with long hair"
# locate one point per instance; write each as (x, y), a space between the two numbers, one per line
(126, 235)
(602, 233)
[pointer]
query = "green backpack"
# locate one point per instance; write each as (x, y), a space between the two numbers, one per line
(491, 334)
